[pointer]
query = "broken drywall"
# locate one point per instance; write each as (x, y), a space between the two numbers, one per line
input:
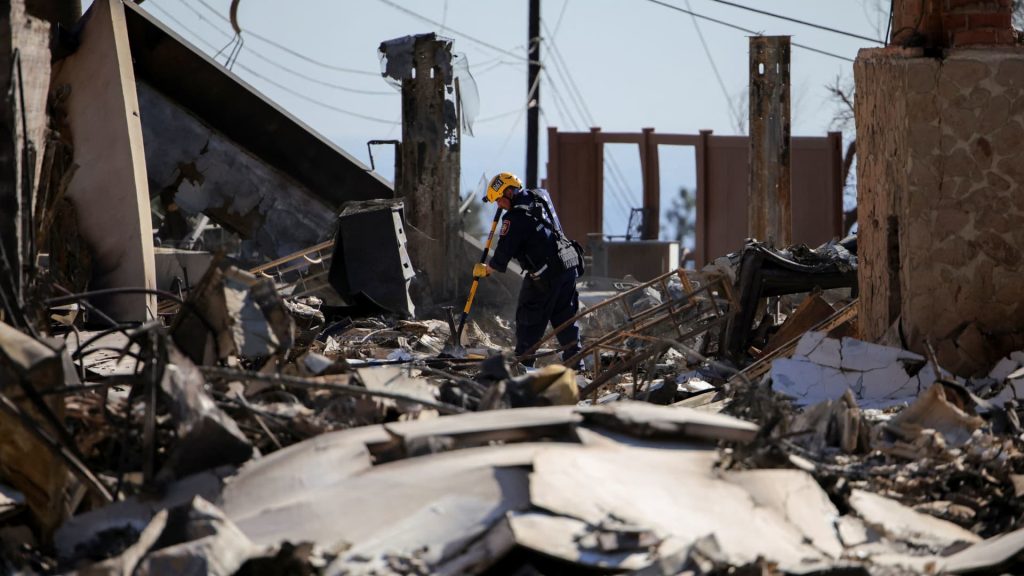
(824, 368)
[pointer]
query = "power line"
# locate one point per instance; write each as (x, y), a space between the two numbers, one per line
(456, 32)
(714, 68)
(616, 193)
(613, 186)
(498, 116)
(604, 214)
(563, 109)
(255, 74)
(519, 116)
(497, 59)
(284, 48)
(888, 25)
(282, 67)
(181, 25)
(519, 112)
(558, 23)
(574, 92)
(494, 65)
(616, 184)
(320, 103)
(617, 179)
(796, 21)
(742, 29)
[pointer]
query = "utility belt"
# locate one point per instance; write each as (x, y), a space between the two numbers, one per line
(569, 253)
(536, 274)
(566, 258)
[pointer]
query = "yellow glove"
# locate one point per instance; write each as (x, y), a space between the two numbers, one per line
(480, 270)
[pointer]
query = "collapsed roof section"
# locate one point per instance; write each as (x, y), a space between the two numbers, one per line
(191, 139)
(226, 104)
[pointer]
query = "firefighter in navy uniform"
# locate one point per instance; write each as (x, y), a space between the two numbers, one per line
(532, 234)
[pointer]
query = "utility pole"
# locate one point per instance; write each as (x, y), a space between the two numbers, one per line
(769, 211)
(533, 96)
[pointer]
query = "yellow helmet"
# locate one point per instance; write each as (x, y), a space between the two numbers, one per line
(500, 183)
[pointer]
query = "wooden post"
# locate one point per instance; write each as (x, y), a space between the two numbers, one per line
(652, 186)
(703, 187)
(533, 95)
(599, 174)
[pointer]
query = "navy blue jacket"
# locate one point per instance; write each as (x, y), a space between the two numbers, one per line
(524, 237)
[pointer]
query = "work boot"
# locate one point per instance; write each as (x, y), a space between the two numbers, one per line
(579, 366)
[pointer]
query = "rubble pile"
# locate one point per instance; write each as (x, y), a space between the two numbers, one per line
(251, 432)
(229, 347)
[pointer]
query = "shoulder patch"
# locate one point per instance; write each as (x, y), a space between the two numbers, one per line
(505, 225)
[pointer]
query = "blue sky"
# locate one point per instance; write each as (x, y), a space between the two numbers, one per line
(621, 65)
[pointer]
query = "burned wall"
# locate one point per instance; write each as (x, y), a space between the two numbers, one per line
(25, 79)
(203, 171)
(941, 205)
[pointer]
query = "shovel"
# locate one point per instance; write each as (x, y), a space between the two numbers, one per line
(454, 349)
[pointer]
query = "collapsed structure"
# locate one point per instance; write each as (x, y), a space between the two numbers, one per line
(265, 389)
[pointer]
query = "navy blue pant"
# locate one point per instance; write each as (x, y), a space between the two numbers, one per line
(543, 301)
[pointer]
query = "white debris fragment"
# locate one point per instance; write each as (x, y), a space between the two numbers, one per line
(692, 384)
(316, 363)
(823, 368)
(400, 355)
(1012, 390)
(906, 524)
(1008, 365)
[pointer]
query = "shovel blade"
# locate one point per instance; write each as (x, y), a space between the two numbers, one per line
(453, 347)
(452, 350)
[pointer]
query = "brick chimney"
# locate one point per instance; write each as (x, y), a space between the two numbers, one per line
(977, 22)
(952, 23)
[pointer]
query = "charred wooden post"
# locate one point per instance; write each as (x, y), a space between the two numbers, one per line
(770, 216)
(428, 179)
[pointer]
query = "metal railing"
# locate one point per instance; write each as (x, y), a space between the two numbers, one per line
(688, 309)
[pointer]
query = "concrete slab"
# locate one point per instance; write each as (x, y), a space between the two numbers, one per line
(799, 499)
(906, 524)
(110, 190)
(670, 492)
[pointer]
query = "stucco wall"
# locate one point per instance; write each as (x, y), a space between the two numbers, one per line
(942, 166)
